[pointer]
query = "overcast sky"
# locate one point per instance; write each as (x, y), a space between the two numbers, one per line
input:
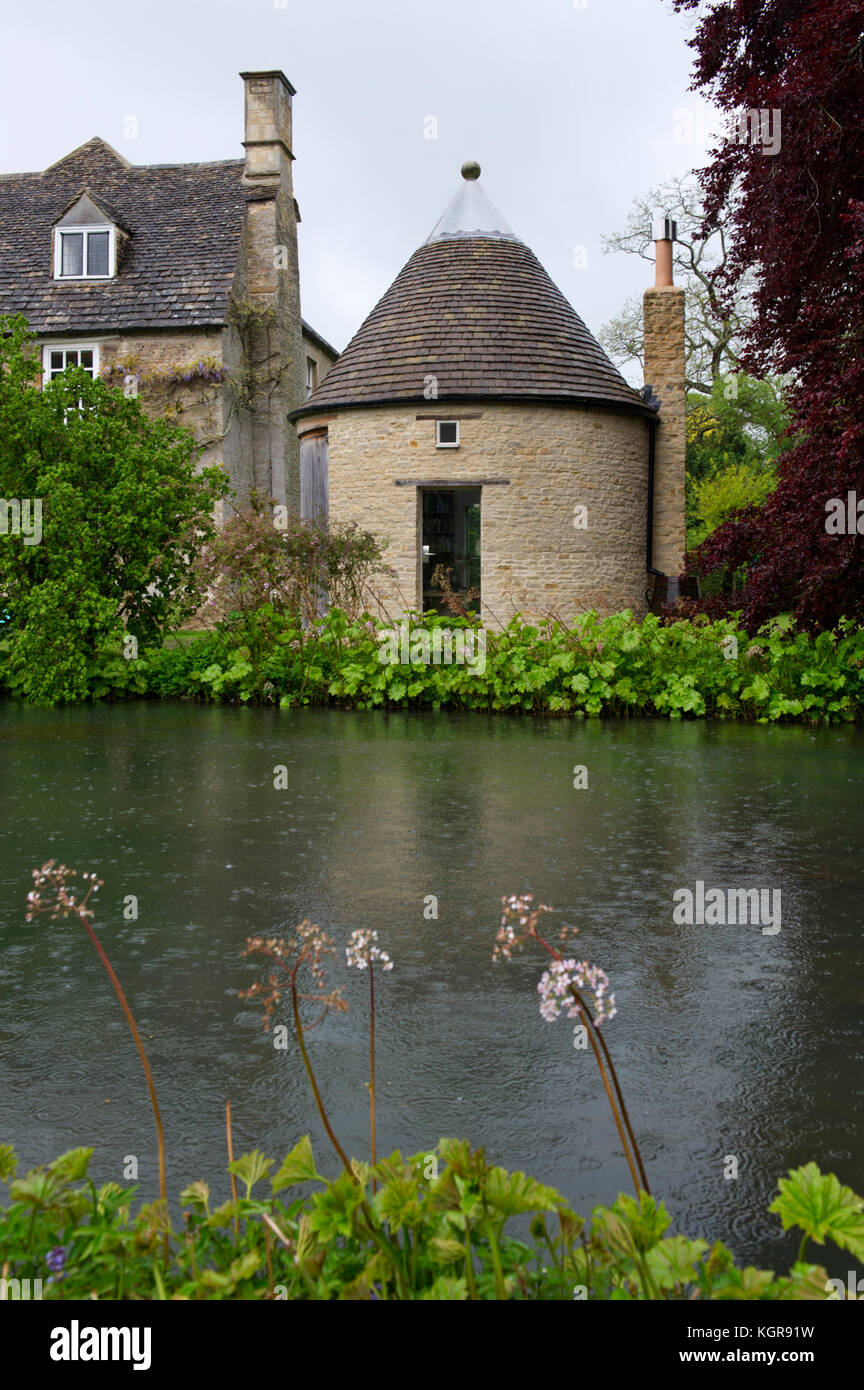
(572, 107)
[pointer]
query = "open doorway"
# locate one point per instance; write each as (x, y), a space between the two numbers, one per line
(450, 536)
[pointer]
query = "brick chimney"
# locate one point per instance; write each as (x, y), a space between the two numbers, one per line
(269, 345)
(663, 316)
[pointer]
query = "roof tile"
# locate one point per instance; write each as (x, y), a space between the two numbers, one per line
(482, 315)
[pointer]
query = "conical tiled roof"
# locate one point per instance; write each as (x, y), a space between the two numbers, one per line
(474, 309)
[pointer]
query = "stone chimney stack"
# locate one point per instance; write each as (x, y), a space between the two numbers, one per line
(267, 130)
(269, 346)
(663, 315)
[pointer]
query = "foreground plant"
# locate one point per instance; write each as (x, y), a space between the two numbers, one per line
(307, 951)
(85, 1242)
(561, 989)
(53, 895)
(361, 953)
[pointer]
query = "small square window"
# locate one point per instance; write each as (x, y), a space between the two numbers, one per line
(447, 434)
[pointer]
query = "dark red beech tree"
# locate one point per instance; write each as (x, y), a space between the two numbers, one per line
(797, 211)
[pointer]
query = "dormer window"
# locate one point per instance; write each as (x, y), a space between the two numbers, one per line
(84, 253)
(87, 237)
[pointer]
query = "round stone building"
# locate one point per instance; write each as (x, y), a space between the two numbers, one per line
(475, 423)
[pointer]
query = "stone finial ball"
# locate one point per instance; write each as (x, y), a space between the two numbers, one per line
(471, 169)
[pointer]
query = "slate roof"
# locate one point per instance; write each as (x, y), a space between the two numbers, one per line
(185, 223)
(481, 315)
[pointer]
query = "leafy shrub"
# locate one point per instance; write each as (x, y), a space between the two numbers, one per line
(719, 496)
(263, 561)
(599, 666)
(123, 512)
(410, 1243)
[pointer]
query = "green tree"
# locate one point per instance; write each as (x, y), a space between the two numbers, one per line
(712, 329)
(734, 437)
(116, 513)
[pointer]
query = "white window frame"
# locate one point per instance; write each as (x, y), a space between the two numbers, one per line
(446, 443)
(86, 228)
(65, 347)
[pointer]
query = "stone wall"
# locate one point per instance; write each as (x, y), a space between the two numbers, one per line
(196, 404)
(537, 464)
(663, 310)
(323, 360)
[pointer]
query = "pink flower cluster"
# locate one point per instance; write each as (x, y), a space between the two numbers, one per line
(362, 949)
(308, 947)
(60, 901)
(519, 924)
(555, 990)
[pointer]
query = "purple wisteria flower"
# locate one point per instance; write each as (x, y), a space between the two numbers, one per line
(56, 1259)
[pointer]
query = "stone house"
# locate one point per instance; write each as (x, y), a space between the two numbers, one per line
(475, 422)
(179, 282)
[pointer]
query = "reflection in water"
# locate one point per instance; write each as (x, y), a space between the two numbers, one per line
(727, 1042)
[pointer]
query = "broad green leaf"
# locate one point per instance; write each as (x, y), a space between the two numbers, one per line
(333, 1209)
(822, 1207)
(299, 1166)
(633, 1227)
(197, 1195)
(247, 1265)
(251, 1168)
(806, 1283)
(399, 1203)
(71, 1166)
(446, 1290)
(514, 1193)
(36, 1190)
(673, 1261)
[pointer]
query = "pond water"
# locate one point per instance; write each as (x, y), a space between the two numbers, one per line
(728, 1041)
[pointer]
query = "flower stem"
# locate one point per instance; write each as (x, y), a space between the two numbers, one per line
(233, 1176)
(595, 1036)
(372, 1069)
(469, 1265)
(298, 1028)
(626, 1117)
(591, 1031)
(146, 1065)
(498, 1272)
(374, 1233)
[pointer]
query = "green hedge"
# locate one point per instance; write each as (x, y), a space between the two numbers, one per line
(599, 666)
